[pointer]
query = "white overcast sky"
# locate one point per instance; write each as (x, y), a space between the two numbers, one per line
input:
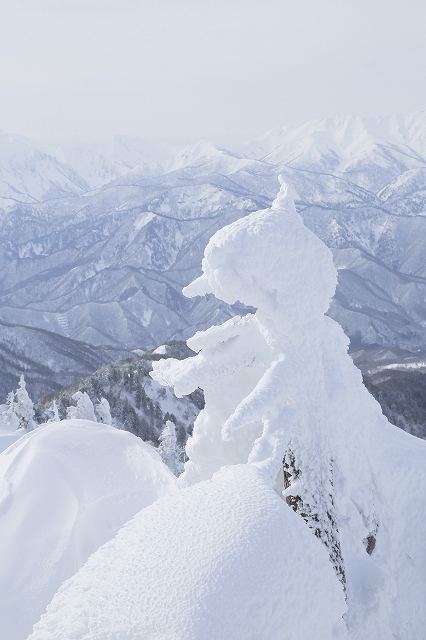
(186, 69)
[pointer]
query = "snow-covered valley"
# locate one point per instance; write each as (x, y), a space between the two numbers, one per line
(106, 267)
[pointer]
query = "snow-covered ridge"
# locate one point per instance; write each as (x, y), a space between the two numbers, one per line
(344, 143)
(103, 162)
(340, 144)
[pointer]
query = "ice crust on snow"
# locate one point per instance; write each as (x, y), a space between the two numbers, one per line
(65, 489)
(223, 559)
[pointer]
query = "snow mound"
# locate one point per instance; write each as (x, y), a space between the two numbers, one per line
(225, 558)
(65, 489)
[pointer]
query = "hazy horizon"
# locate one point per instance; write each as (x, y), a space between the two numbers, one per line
(233, 69)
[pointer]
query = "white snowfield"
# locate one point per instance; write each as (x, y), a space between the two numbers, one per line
(8, 433)
(223, 559)
(65, 489)
(287, 423)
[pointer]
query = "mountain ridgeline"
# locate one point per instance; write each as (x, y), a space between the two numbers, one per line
(97, 241)
(137, 403)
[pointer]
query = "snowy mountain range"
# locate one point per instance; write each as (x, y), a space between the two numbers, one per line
(27, 174)
(50, 361)
(96, 242)
(299, 511)
(100, 163)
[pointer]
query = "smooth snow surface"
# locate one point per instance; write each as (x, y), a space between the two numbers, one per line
(223, 559)
(65, 489)
(7, 438)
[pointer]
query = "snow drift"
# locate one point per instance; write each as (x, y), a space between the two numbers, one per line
(65, 489)
(223, 559)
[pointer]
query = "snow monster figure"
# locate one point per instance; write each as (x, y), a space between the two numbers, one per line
(263, 375)
(282, 394)
(257, 371)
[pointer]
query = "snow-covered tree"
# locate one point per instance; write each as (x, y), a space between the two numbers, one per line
(20, 412)
(54, 412)
(171, 453)
(83, 410)
(103, 411)
(9, 416)
(281, 392)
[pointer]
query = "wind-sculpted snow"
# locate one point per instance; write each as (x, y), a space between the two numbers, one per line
(65, 489)
(223, 559)
(283, 395)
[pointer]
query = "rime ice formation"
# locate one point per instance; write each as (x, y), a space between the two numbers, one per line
(253, 369)
(280, 387)
(83, 408)
(20, 409)
(65, 489)
(103, 411)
